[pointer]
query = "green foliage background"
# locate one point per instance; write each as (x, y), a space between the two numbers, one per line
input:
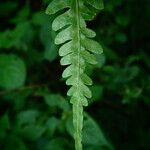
(35, 113)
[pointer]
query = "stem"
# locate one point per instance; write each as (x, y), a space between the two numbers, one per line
(77, 106)
(78, 124)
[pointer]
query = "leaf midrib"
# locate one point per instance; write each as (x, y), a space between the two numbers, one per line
(78, 41)
(78, 101)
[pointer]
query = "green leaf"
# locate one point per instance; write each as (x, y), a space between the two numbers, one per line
(78, 96)
(84, 101)
(75, 52)
(89, 58)
(51, 125)
(12, 72)
(27, 117)
(54, 6)
(32, 132)
(18, 38)
(92, 46)
(28, 127)
(56, 144)
(93, 134)
(71, 80)
(52, 99)
(62, 20)
(88, 32)
(63, 36)
(71, 91)
(86, 91)
(101, 59)
(50, 52)
(98, 4)
(88, 13)
(66, 60)
(55, 100)
(47, 39)
(65, 49)
(68, 71)
(22, 15)
(86, 79)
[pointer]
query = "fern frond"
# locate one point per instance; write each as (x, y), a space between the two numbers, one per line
(76, 50)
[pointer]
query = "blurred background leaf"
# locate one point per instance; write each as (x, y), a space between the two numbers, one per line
(12, 72)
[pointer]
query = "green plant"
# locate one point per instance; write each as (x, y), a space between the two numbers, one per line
(35, 113)
(76, 51)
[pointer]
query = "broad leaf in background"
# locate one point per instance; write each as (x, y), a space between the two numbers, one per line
(18, 38)
(28, 127)
(56, 144)
(12, 72)
(55, 100)
(93, 136)
(47, 38)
